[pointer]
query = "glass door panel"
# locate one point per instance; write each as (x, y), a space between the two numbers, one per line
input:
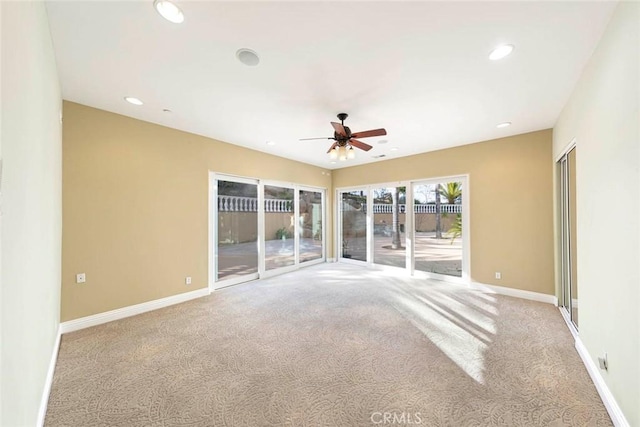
(569, 279)
(438, 228)
(573, 244)
(237, 236)
(279, 225)
(389, 226)
(564, 252)
(353, 217)
(310, 230)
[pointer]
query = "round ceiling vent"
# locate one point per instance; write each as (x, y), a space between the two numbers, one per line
(248, 57)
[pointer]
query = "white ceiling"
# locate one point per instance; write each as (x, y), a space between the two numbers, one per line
(418, 69)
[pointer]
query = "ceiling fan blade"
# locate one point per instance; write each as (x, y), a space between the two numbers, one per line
(332, 147)
(369, 133)
(339, 129)
(310, 139)
(359, 144)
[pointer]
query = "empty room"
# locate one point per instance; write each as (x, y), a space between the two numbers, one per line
(319, 213)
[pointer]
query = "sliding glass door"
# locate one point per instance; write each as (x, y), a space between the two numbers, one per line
(311, 236)
(438, 227)
(263, 228)
(353, 224)
(279, 226)
(237, 236)
(419, 226)
(389, 221)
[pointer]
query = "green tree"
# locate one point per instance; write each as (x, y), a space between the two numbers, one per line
(395, 223)
(382, 195)
(397, 193)
(456, 229)
(452, 191)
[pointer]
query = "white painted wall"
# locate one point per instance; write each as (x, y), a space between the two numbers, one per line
(31, 209)
(603, 115)
(0, 220)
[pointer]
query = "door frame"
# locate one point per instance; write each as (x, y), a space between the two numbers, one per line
(262, 272)
(409, 227)
(465, 277)
(323, 215)
(563, 256)
(337, 241)
(214, 177)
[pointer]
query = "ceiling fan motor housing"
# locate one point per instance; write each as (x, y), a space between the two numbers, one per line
(342, 138)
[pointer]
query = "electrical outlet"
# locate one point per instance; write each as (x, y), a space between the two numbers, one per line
(187, 281)
(603, 362)
(81, 278)
(498, 275)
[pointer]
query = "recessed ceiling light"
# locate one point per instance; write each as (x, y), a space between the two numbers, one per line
(333, 162)
(500, 52)
(503, 125)
(169, 11)
(382, 141)
(166, 110)
(247, 57)
(271, 143)
(393, 149)
(132, 100)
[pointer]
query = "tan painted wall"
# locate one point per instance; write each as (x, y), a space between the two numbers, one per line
(135, 206)
(510, 190)
(135, 197)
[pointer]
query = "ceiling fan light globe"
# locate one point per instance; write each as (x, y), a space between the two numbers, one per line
(351, 153)
(342, 152)
(333, 154)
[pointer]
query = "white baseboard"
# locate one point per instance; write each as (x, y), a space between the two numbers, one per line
(132, 310)
(617, 417)
(44, 401)
(518, 293)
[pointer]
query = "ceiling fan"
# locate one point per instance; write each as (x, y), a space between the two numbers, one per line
(345, 140)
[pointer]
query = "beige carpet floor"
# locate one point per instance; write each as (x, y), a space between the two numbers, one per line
(329, 345)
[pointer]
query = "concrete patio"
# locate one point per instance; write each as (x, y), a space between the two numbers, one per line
(441, 256)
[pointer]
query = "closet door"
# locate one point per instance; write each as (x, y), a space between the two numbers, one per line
(569, 280)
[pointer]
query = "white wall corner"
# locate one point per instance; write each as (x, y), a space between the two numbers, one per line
(517, 293)
(132, 310)
(617, 417)
(42, 412)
